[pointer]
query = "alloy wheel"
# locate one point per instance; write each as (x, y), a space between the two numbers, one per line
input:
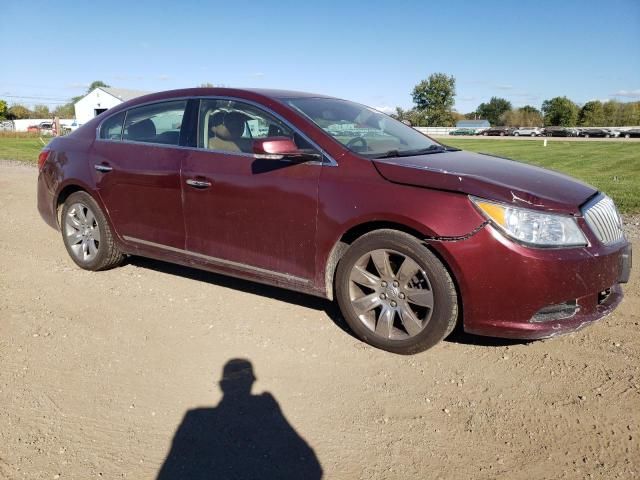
(391, 294)
(82, 232)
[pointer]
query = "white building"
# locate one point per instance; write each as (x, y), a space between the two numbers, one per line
(101, 99)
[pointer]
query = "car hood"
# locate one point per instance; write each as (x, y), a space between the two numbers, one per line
(489, 177)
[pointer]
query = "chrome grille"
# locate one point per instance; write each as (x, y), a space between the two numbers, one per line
(603, 218)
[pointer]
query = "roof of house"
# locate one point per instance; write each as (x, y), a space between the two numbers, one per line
(472, 123)
(123, 94)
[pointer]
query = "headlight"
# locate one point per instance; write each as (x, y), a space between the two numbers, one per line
(532, 227)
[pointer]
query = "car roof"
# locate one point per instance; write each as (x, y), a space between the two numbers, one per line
(260, 94)
(225, 91)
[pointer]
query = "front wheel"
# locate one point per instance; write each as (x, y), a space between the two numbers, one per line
(86, 234)
(395, 294)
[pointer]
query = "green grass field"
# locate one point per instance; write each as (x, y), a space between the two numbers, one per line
(612, 167)
(24, 148)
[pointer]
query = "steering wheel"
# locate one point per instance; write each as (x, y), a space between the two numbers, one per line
(352, 143)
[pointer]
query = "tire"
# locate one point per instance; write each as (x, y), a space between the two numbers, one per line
(86, 234)
(405, 310)
(586, 135)
(516, 134)
(484, 134)
(627, 135)
(502, 134)
(533, 134)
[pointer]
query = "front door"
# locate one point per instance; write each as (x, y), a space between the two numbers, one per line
(255, 215)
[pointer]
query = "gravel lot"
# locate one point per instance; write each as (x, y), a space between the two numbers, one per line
(99, 371)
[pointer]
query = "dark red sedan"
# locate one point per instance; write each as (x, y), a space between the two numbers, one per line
(334, 199)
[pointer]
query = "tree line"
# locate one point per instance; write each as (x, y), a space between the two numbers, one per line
(17, 111)
(434, 98)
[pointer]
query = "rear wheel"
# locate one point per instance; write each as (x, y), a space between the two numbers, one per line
(395, 294)
(86, 234)
(627, 135)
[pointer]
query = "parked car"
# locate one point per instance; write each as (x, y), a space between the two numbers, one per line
(560, 132)
(527, 131)
(631, 133)
(613, 133)
(594, 132)
(43, 128)
(409, 236)
(7, 126)
(72, 127)
(497, 131)
(463, 131)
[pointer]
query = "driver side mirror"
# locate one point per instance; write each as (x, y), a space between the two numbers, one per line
(282, 148)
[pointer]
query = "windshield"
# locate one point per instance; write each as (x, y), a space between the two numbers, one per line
(363, 130)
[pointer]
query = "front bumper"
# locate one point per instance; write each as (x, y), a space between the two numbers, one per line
(503, 284)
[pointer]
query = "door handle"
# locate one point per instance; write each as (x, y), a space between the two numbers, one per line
(198, 183)
(103, 168)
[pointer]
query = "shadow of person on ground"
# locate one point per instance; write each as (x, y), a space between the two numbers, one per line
(244, 437)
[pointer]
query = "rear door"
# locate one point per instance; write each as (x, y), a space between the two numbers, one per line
(258, 216)
(137, 163)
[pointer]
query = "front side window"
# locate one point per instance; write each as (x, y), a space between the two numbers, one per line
(232, 126)
(363, 130)
(112, 127)
(156, 123)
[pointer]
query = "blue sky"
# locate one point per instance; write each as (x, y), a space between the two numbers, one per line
(370, 51)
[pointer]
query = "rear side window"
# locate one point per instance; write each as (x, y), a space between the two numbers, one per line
(112, 127)
(157, 123)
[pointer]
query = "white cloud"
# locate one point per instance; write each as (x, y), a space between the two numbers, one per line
(257, 75)
(163, 76)
(627, 93)
(385, 109)
(503, 86)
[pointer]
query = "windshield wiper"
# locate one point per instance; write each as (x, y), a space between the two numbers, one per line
(411, 153)
(387, 154)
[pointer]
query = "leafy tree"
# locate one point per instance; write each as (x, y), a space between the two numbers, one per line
(206, 85)
(560, 111)
(97, 84)
(17, 112)
(41, 111)
(4, 109)
(494, 110)
(618, 114)
(456, 117)
(65, 111)
(530, 109)
(526, 116)
(591, 114)
(434, 99)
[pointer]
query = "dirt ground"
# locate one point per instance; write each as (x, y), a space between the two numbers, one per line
(98, 371)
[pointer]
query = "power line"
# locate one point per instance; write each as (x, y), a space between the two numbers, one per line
(38, 98)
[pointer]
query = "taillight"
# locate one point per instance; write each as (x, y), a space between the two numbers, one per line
(44, 154)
